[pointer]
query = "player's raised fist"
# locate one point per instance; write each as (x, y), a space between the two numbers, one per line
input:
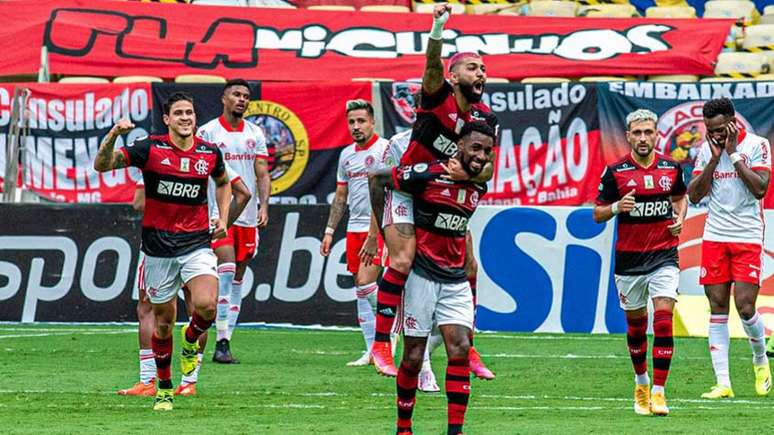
(440, 9)
(626, 204)
(123, 126)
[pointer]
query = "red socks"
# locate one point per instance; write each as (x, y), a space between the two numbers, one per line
(663, 346)
(457, 393)
(637, 339)
(387, 300)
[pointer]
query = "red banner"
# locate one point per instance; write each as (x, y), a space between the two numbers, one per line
(66, 125)
(119, 38)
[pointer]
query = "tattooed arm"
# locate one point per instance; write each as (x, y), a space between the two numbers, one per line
(107, 159)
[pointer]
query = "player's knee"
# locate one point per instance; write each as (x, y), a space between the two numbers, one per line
(163, 328)
(747, 310)
(413, 357)
(207, 311)
(458, 346)
(402, 260)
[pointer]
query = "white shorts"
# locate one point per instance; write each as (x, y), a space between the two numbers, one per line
(162, 277)
(398, 208)
(634, 290)
(427, 303)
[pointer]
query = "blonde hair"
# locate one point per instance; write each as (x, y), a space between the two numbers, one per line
(640, 115)
(360, 104)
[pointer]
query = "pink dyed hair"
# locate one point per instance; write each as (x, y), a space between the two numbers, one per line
(457, 58)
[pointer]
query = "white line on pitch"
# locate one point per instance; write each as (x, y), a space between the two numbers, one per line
(53, 334)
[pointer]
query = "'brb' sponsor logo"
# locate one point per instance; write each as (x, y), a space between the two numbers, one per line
(177, 189)
(451, 222)
(650, 209)
(444, 145)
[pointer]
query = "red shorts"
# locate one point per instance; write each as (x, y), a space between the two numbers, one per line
(723, 262)
(243, 239)
(355, 241)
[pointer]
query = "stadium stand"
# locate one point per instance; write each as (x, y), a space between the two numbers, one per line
(545, 80)
(552, 9)
(608, 11)
(385, 8)
(199, 78)
(741, 65)
(591, 79)
(670, 12)
(676, 78)
(82, 79)
(340, 8)
(137, 79)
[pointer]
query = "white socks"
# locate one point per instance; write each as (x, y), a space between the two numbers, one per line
(225, 282)
(365, 312)
(193, 377)
(756, 336)
(642, 379)
(718, 344)
(236, 305)
(147, 366)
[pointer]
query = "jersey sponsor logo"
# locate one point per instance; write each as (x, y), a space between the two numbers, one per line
(420, 167)
(163, 146)
(665, 183)
(286, 140)
(665, 164)
(185, 164)
(178, 189)
(444, 145)
(202, 167)
(451, 222)
(202, 149)
(624, 167)
(647, 180)
(650, 209)
(236, 156)
(724, 175)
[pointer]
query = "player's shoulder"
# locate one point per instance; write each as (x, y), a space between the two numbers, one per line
(664, 161)
(254, 128)
(201, 145)
(211, 125)
(347, 151)
(623, 164)
(402, 137)
(753, 140)
(144, 141)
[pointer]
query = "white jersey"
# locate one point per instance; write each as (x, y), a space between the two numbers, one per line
(212, 203)
(734, 213)
(354, 164)
(240, 147)
(398, 145)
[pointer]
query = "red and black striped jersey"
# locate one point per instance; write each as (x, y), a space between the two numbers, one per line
(442, 209)
(439, 120)
(175, 221)
(644, 242)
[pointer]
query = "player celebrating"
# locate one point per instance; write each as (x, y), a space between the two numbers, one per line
(445, 106)
(244, 148)
(176, 231)
(733, 167)
(650, 218)
(355, 161)
(437, 290)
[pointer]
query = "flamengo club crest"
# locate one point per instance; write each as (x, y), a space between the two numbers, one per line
(665, 183)
(201, 167)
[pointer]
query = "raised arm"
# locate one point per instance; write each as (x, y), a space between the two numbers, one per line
(107, 159)
(432, 80)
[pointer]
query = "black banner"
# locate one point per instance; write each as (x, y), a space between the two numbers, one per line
(305, 127)
(81, 267)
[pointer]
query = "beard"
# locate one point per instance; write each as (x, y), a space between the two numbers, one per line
(470, 94)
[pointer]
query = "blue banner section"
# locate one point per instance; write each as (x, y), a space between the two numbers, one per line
(545, 269)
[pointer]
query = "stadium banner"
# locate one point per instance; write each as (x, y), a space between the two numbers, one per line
(67, 122)
(81, 267)
(108, 38)
(679, 107)
(545, 269)
(565, 280)
(549, 139)
(305, 125)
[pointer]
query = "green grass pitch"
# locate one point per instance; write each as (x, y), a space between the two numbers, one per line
(63, 379)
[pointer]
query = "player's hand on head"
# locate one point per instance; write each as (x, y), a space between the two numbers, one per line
(626, 204)
(455, 171)
(219, 228)
(325, 246)
(715, 148)
(123, 126)
(732, 137)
